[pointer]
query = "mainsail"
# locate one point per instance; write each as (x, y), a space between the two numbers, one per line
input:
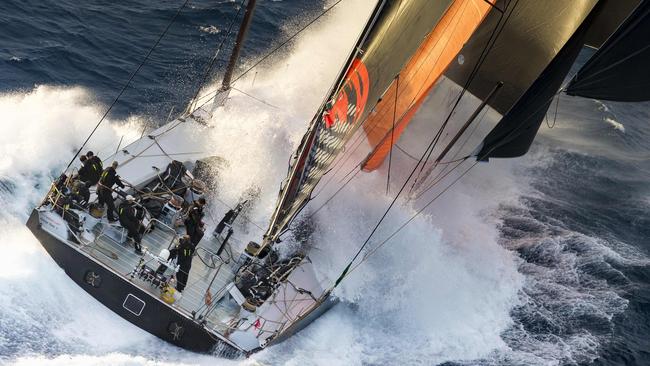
(619, 70)
(394, 32)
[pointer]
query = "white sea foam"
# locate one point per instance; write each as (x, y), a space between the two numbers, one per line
(616, 124)
(210, 29)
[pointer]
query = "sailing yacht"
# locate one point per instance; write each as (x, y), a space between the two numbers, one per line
(506, 55)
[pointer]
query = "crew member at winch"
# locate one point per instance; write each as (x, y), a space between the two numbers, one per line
(194, 225)
(183, 252)
(108, 179)
(130, 219)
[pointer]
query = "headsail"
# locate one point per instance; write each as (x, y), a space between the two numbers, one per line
(392, 35)
(514, 134)
(619, 70)
(415, 81)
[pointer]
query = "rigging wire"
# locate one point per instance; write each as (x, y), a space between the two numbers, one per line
(491, 41)
(146, 58)
(212, 62)
(401, 227)
(282, 44)
(376, 123)
(392, 134)
(255, 98)
(496, 32)
(479, 159)
(489, 44)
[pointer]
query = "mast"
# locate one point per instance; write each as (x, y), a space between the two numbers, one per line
(203, 113)
(224, 90)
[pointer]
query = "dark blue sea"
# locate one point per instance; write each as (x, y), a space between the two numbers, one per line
(542, 260)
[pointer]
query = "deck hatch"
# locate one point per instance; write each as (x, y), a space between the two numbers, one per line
(133, 304)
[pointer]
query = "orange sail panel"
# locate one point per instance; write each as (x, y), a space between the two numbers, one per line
(417, 78)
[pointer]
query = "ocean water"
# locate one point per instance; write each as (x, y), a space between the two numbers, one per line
(542, 260)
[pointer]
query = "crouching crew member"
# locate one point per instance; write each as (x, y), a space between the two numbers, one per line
(80, 193)
(183, 253)
(131, 220)
(194, 225)
(108, 179)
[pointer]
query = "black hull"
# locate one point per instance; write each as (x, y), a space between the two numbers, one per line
(118, 293)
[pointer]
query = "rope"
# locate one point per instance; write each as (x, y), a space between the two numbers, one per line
(550, 126)
(128, 82)
(255, 98)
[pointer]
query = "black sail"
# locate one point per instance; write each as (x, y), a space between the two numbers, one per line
(392, 35)
(520, 44)
(620, 69)
(514, 134)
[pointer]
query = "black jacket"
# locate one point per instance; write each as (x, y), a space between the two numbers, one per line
(109, 178)
(127, 212)
(195, 214)
(183, 252)
(84, 172)
(95, 168)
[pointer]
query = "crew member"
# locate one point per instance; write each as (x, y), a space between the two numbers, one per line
(194, 225)
(80, 193)
(183, 253)
(130, 220)
(84, 173)
(108, 179)
(95, 168)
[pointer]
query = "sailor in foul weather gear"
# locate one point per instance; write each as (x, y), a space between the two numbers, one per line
(80, 193)
(130, 219)
(194, 225)
(108, 179)
(95, 168)
(84, 174)
(183, 253)
(63, 206)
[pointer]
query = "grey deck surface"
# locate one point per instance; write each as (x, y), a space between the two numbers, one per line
(110, 241)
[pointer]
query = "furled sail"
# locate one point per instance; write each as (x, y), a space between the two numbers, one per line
(514, 134)
(407, 92)
(620, 69)
(394, 32)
